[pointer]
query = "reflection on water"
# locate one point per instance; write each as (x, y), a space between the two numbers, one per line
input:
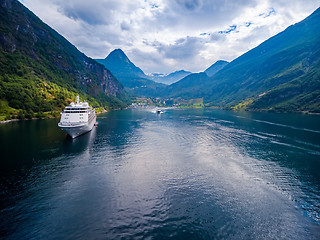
(181, 175)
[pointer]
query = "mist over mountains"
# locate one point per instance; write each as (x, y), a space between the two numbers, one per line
(170, 78)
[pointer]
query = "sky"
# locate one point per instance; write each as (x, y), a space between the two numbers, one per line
(162, 36)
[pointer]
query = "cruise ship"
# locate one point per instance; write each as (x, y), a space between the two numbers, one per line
(78, 118)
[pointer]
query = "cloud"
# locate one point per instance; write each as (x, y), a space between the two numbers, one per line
(183, 48)
(267, 13)
(190, 5)
(229, 30)
(168, 35)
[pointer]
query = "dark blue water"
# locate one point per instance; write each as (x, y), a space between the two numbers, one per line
(179, 175)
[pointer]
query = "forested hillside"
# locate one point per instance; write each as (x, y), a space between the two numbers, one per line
(281, 74)
(41, 71)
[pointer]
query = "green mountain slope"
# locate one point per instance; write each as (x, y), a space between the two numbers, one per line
(41, 71)
(185, 87)
(281, 74)
(216, 67)
(132, 77)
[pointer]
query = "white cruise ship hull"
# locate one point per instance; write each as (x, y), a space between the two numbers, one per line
(77, 129)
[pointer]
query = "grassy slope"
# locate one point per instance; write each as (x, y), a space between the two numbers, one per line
(41, 71)
(185, 87)
(281, 74)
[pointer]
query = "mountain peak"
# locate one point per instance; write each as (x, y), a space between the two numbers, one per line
(119, 50)
(180, 71)
(216, 67)
(171, 78)
(121, 66)
(117, 54)
(221, 62)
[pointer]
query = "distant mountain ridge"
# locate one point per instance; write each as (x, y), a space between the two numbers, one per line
(41, 71)
(131, 76)
(152, 85)
(170, 78)
(185, 87)
(281, 74)
(187, 84)
(126, 71)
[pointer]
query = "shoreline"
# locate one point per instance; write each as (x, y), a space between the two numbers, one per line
(16, 119)
(11, 120)
(105, 111)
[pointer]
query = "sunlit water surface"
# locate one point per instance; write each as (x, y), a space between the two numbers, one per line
(181, 175)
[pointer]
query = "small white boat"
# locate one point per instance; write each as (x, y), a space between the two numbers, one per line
(159, 111)
(78, 118)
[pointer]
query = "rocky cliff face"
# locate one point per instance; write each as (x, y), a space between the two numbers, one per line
(39, 49)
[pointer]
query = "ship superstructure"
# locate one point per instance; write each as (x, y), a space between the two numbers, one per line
(78, 118)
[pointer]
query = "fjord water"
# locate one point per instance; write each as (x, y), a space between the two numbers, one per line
(184, 174)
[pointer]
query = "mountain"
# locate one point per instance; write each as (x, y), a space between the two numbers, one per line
(170, 78)
(121, 66)
(132, 77)
(281, 74)
(184, 87)
(41, 71)
(216, 67)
